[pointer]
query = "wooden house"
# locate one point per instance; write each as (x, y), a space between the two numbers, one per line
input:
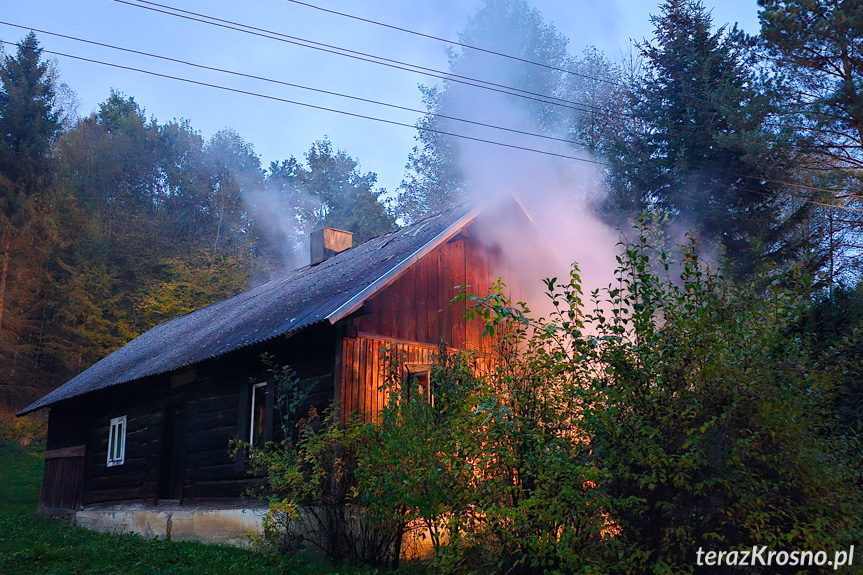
(150, 424)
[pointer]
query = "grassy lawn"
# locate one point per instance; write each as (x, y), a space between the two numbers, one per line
(20, 479)
(31, 545)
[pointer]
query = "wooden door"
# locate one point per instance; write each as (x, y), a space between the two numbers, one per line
(63, 481)
(172, 459)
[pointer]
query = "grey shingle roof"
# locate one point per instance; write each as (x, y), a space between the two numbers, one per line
(328, 291)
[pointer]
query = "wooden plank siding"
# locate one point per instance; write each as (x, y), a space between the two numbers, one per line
(367, 378)
(414, 315)
(369, 355)
(63, 485)
(419, 305)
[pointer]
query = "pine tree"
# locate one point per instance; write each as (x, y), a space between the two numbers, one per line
(435, 177)
(704, 154)
(815, 50)
(28, 124)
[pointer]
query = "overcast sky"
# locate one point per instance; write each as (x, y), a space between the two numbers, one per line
(278, 130)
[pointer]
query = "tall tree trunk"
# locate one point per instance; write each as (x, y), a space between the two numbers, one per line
(3, 273)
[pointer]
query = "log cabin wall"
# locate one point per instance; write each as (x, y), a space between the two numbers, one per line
(413, 315)
(201, 408)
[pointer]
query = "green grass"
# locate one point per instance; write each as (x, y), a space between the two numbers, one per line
(31, 545)
(20, 479)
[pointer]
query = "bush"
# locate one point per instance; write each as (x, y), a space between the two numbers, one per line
(311, 484)
(703, 419)
(27, 431)
(669, 414)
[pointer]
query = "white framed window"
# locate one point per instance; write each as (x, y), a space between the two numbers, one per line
(117, 441)
(258, 416)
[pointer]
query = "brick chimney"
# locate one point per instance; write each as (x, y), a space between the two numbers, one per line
(327, 242)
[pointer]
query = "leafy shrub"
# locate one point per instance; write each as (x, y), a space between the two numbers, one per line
(702, 418)
(27, 431)
(617, 436)
(311, 483)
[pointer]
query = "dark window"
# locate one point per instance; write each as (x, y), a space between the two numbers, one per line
(419, 381)
(258, 416)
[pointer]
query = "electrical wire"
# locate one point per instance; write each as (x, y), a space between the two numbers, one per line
(293, 85)
(793, 185)
(329, 48)
(805, 200)
(316, 107)
(386, 104)
(396, 123)
(371, 58)
(453, 42)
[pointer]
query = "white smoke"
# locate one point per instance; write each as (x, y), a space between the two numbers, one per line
(556, 192)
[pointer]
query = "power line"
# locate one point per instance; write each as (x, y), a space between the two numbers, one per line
(802, 186)
(316, 107)
(293, 85)
(329, 48)
(371, 58)
(385, 121)
(453, 42)
(805, 200)
(386, 104)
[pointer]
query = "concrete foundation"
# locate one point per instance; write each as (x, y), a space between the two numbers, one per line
(207, 525)
(219, 524)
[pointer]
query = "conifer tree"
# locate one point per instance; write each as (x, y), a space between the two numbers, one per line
(703, 152)
(815, 50)
(435, 178)
(28, 124)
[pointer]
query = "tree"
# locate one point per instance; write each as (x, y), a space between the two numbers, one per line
(347, 197)
(236, 171)
(28, 118)
(328, 190)
(815, 49)
(29, 123)
(817, 43)
(435, 176)
(152, 225)
(708, 157)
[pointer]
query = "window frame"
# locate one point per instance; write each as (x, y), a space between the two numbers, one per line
(418, 371)
(252, 406)
(117, 433)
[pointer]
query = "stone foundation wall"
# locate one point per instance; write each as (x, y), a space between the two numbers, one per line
(224, 526)
(228, 526)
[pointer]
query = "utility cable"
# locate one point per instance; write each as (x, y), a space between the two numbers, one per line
(466, 80)
(316, 107)
(396, 123)
(453, 42)
(371, 58)
(385, 121)
(293, 85)
(802, 186)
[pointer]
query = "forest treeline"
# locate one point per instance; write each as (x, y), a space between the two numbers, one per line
(114, 222)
